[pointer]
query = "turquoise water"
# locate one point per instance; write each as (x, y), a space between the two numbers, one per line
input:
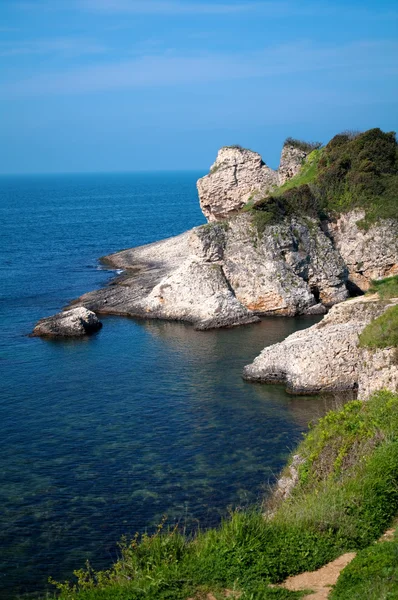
(102, 437)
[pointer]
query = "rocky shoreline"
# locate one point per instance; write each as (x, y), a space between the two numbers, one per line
(327, 357)
(232, 272)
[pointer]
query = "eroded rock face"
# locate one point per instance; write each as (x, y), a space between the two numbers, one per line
(236, 174)
(368, 254)
(325, 357)
(220, 275)
(291, 162)
(286, 271)
(76, 322)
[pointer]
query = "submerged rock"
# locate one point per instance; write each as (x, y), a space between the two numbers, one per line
(70, 323)
(326, 356)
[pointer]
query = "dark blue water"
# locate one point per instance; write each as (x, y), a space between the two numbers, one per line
(102, 437)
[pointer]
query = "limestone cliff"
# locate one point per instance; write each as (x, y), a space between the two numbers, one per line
(239, 175)
(226, 274)
(292, 159)
(368, 253)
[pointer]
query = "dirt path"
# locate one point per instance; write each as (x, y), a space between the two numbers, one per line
(320, 581)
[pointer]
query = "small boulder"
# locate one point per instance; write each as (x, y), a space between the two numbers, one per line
(69, 323)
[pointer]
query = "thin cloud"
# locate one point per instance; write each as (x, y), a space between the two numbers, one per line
(160, 7)
(269, 8)
(365, 58)
(177, 7)
(66, 46)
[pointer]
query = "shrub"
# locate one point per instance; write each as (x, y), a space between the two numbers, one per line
(302, 145)
(386, 288)
(352, 171)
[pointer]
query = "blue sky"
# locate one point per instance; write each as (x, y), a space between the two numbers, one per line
(125, 85)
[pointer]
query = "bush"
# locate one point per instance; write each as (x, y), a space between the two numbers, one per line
(352, 171)
(386, 288)
(302, 145)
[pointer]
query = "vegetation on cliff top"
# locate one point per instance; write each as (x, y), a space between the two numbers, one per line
(346, 496)
(302, 144)
(351, 172)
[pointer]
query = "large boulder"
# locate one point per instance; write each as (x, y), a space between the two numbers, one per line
(76, 322)
(234, 178)
(292, 159)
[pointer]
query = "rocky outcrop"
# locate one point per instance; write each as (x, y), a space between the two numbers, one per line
(225, 274)
(239, 175)
(370, 253)
(232, 270)
(287, 270)
(76, 322)
(325, 357)
(235, 176)
(292, 159)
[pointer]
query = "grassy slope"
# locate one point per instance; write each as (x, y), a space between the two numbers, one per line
(349, 172)
(383, 331)
(346, 497)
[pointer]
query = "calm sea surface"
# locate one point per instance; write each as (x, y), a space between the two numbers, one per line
(101, 437)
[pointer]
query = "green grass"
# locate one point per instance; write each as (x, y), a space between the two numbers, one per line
(306, 174)
(386, 288)
(381, 332)
(350, 172)
(372, 575)
(346, 497)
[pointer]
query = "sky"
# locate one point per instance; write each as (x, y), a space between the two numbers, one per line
(147, 85)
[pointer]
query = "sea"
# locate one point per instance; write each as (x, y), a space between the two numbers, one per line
(142, 422)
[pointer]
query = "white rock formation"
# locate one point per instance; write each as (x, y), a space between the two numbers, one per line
(326, 357)
(292, 159)
(76, 322)
(225, 274)
(239, 175)
(235, 176)
(378, 370)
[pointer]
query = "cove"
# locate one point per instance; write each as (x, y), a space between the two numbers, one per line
(102, 437)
